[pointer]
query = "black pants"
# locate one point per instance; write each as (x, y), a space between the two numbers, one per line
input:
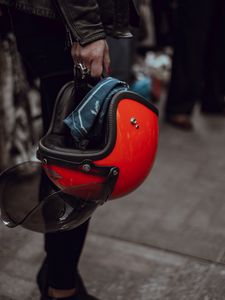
(198, 63)
(164, 19)
(41, 43)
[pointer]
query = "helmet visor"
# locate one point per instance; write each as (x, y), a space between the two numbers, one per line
(28, 198)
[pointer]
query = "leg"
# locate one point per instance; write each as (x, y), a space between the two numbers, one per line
(63, 252)
(42, 45)
(187, 70)
(213, 93)
(121, 64)
(63, 249)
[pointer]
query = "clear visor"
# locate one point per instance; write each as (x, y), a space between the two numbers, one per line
(28, 198)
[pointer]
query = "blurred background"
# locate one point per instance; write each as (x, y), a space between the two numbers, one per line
(167, 239)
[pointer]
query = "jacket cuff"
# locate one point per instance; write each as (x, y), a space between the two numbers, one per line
(83, 20)
(91, 38)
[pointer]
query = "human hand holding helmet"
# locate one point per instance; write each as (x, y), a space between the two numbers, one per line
(95, 56)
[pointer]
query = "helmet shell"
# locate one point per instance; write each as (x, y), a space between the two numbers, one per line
(136, 144)
(132, 138)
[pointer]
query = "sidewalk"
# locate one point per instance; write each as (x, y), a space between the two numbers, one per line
(166, 241)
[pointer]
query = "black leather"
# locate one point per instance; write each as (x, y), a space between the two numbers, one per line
(59, 135)
(97, 18)
(88, 20)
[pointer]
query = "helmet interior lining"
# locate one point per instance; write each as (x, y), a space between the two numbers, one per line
(59, 143)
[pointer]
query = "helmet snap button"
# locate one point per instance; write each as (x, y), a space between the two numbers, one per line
(86, 168)
(133, 121)
(115, 172)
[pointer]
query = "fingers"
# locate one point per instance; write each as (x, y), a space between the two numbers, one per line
(96, 68)
(106, 61)
(79, 54)
(95, 56)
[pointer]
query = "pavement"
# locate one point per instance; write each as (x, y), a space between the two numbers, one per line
(165, 241)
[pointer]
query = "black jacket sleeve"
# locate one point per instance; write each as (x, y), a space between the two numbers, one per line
(83, 19)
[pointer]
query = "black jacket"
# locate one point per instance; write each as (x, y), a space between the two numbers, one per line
(87, 20)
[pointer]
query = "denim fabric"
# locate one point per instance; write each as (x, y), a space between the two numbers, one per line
(87, 121)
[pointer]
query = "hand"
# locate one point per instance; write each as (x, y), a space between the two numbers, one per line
(95, 56)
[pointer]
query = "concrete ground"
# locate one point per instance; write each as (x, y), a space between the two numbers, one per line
(165, 241)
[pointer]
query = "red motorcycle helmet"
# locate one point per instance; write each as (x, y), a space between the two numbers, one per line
(78, 180)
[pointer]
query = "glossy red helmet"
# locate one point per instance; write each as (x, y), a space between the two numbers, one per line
(111, 168)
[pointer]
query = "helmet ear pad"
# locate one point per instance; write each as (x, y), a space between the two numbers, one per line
(58, 138)
(58, 133)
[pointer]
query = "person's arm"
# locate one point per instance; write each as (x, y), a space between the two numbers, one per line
(84, 22)
(83, 19)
